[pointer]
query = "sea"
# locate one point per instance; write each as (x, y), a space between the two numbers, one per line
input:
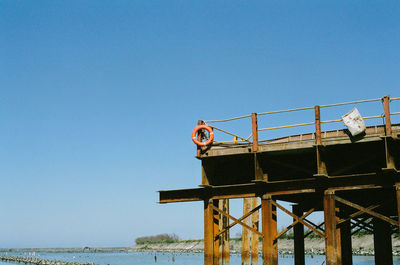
(167, 258)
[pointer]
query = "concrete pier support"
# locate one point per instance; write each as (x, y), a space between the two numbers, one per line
(382, 242)
(298, 231)
(269, 229)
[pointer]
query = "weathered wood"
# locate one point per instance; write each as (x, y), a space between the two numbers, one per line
(246, 232)
(269, 228)
(254, 237)
(224, 248)
(238, 221)
(254, 131)
(330, 230)
(346, 246)
(382, 242)
(208, 233)
(298, 231)
(366, 210)
(215, 232)
(298, 219)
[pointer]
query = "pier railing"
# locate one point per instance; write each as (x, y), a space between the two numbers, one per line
(254, 140)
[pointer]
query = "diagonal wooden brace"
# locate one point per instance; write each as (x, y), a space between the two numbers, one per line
(238, 221)
(298, 219)
(294, 223)
(365, 210)
(351, 216)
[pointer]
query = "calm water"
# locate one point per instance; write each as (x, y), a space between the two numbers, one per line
(148, 258)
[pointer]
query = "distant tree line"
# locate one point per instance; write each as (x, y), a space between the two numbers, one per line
(162, 238)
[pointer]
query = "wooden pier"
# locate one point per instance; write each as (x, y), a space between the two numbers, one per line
(355, 181)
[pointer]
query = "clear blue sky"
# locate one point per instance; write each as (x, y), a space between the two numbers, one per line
(98, 100)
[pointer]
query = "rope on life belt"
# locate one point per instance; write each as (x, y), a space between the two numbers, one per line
(210, 133)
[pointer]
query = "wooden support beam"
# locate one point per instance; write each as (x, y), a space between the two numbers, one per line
(224, 247)
(397, 186)
(200, 138)
(254, 131)
(346, 246)
(258, 171)
(216, 238)
(338, 238)
(382, 242)
(317, 111)
(246, 232)
(254, 237)
(330, 230)
(208, 233)
(269, 228)
(298, 231)
(386, 109)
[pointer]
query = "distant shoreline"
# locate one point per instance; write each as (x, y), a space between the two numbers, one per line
(362, 245)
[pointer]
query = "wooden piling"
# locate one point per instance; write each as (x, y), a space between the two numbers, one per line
(330, 229)
(246, 232)
(269, 228)
(298, 231)
(254, 237)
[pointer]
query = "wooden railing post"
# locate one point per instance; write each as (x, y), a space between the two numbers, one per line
(386, 109)
(254, 131)
(317, 125)
(199, 137)
(321, 167)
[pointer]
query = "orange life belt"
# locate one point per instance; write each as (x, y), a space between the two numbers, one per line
(210, 132)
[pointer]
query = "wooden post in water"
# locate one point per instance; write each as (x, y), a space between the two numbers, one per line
(269, 229)
(246, 232)
(254, 237)
(224, 245)
(330, 229)
(298, 231)
(208, 233)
